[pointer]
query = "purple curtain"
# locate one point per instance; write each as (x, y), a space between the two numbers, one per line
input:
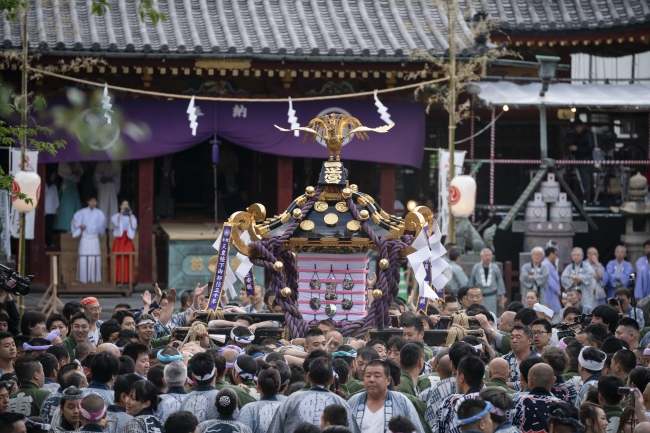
(251, 125)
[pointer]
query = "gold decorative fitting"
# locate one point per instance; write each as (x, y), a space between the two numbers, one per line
(354, 188)
(376, 218)
(307, 226)
(296, 213)
(360, 241)
(284, 217)
(260, 230)
(396, 230)
(342, 207)
(370, 199)
(310, 191)
(346, 193)
(320, 206)
(300, 201)
(329, 241)
(362, 201)
(277, 266)
(384, 214)
(383, 263)
(334, 129)
(364, 215)
(353, 226)
(377, 294)
(286, 292)
(331, 219)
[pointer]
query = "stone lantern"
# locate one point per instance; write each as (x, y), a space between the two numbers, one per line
(636, 212)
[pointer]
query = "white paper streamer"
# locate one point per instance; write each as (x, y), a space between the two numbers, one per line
(382, 110)
(192, 116)
(293, 120)
(106, 105)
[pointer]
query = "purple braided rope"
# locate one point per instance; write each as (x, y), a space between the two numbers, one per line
(271, 249)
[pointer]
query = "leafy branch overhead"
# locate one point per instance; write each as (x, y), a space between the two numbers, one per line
(476, 53)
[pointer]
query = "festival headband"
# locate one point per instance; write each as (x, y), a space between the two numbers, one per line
(589, 364)
(343, 354)
(37, 425)
(561, 344)
(242, 340)
(242, 373)
(206, 376)
(478, 416)
(543, 309)
(231, 346)
(91, 416)
(145, 322)
(558, 414)
(72, 395)
(265, 356)
(646, 352)
(89, 300)
(29, 348)
(169, 358)
(498, 412)
(478, 347)
(52, 335)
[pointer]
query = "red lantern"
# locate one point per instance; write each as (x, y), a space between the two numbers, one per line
(29, 183)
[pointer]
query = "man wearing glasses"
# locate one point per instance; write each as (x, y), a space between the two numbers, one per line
(94, 311)
(542, 333)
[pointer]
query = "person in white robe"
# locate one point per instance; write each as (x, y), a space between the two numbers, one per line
(534, 276)
(487, 277)
(308, 406)
(581, 275)
(90, 224)
(69, 201)
(107, 181)
(374, 407)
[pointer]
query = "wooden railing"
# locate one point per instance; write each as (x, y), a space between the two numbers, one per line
(92, 280)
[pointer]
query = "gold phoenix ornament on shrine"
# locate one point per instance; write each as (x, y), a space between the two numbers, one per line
(334, 129)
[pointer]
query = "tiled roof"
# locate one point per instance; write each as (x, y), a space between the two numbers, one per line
(384, 28)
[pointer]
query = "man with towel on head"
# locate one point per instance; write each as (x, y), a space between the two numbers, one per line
(93, 413)
(590, 364)
(90, 224)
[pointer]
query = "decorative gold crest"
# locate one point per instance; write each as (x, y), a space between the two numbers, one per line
(331, 219)
(342, 207)
(307, 225)
(320, 206)
(196, 264)
(353, 226)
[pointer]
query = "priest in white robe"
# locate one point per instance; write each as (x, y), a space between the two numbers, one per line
(107, 181)
(487, 277)
(90, 224)
(374, 407)
(308, 406)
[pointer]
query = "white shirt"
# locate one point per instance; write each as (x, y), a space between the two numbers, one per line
(127, 224)
(51, 199)
(93, 220)
(373, 422)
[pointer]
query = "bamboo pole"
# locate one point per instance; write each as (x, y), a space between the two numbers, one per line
(451, 16)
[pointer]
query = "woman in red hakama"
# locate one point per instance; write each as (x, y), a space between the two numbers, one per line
(124, 226)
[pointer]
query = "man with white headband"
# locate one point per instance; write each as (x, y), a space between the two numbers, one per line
(590, 364)
(474, 416)
(534, 276)
(93, 413)
(144, 326)
(241, 336)
(531, 411)
(201, 401)
(243, 372)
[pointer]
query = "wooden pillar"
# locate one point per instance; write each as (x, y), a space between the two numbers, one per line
(145, 220)
(387, 188)
(285, 182)
(37, 264)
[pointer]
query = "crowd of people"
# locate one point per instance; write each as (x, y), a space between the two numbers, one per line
(579, 366)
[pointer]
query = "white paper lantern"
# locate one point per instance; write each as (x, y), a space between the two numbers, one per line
(462, 195)
(29, 183)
